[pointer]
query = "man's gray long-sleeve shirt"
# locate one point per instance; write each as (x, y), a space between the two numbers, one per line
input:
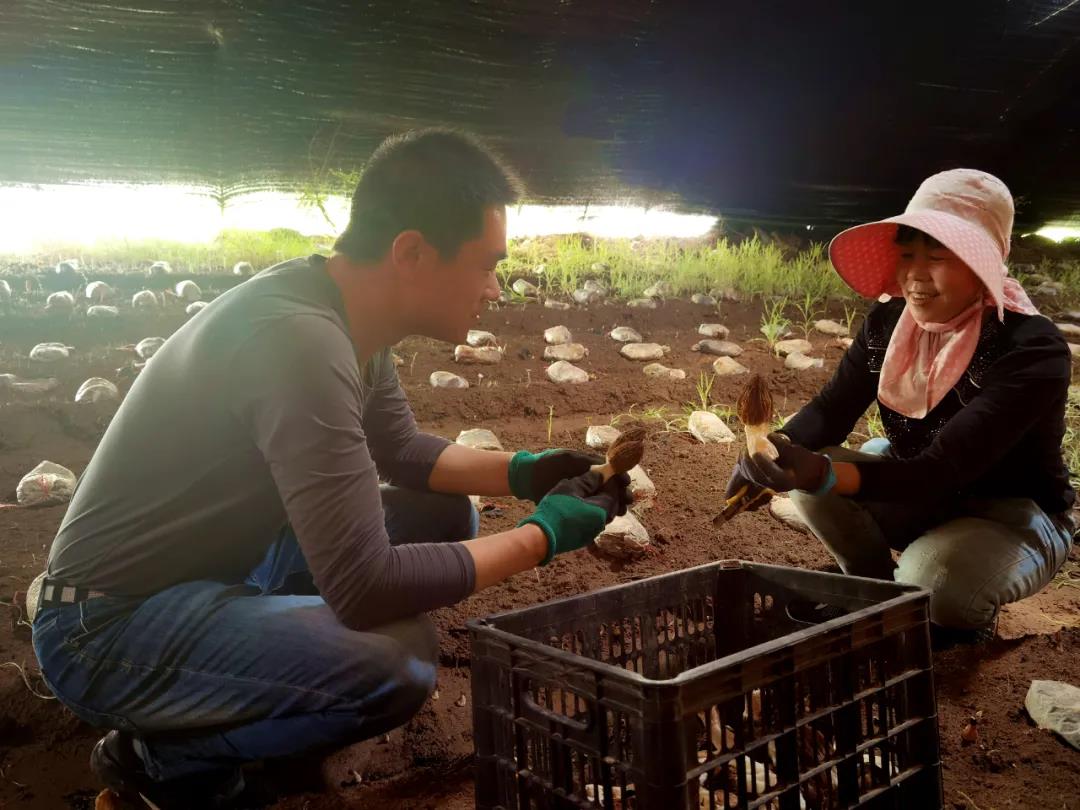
(256, 414)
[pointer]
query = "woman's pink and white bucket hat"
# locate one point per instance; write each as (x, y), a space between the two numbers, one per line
(968, 211)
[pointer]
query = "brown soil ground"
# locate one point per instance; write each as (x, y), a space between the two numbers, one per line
(426, 764)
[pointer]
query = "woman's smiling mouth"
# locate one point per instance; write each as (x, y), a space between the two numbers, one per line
(920, 297)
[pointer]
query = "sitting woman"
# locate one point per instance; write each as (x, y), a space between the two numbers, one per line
(969, 483)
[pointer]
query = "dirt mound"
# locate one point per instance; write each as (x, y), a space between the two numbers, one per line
(44, 749)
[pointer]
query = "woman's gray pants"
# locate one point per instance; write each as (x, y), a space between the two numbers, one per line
(973, 555)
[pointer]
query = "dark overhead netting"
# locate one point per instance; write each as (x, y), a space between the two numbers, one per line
(788, 111)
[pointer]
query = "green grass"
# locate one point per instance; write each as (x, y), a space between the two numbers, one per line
(1070, 444)
(773, 322)
(504, 271)
(804, 281)
(1068, 576)
(648, 414)
(704, 391)
(808, 314)
(874, 426)
(629, 266)
(261, 248)
(668, 420)
(659, 417)
(850, 313)
(626, 266)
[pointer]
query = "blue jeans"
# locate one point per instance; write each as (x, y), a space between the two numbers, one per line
(974, 555)
(209, 675)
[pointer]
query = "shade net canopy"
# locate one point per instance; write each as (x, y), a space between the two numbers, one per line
(772, 110)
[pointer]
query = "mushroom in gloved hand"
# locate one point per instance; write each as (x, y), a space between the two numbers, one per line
(754, 407)
(624, 453)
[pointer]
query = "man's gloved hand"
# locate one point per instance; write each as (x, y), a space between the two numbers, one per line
(576, 510)
(532, 475)
(795, 468)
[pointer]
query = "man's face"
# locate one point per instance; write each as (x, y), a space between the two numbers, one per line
(935, 283)
(452, 293)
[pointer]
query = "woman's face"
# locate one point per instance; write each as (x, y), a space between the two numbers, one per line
(935, 283)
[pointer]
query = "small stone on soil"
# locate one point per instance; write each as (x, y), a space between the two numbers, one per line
(600, 437)
(800, 362)
(557, 335)
(726, 366)
(720, 348)
(485, 355)
(524, 288)
(624, 537)
(660, 371)
(478, 337)
(708, 428)
(564, 372)
(827, 327)
(446, 379)
(624, 334)
(786, 347)
(714, 330)
(642, 351)
(479, 438)
(572, 352)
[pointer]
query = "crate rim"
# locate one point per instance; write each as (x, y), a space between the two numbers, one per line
(907, 593)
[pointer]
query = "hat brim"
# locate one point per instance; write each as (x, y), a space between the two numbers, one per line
(866, 256)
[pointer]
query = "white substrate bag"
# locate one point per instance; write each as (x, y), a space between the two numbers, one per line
(50, 352)
(624, 537)
(97, 389)
(46, 483)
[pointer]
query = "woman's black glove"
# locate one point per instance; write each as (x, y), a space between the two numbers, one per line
(795, 468)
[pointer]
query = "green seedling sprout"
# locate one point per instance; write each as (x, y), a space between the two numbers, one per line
(807, 314)
(850, 311)
(773, 322)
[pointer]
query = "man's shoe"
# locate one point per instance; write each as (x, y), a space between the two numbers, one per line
(116, 764)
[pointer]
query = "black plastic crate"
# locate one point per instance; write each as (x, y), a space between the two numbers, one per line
(730, 685)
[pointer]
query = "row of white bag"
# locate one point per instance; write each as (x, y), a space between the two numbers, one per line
(46, 483)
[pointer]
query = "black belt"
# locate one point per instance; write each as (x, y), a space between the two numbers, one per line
(56, 593)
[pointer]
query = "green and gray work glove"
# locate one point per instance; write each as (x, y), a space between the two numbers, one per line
(577, 509)
(532, 475)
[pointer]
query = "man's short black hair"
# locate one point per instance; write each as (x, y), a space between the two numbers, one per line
(436, 181)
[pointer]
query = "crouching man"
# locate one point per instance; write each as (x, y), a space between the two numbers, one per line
(240, 585)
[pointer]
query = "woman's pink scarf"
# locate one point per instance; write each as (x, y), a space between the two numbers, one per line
(925, 360)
